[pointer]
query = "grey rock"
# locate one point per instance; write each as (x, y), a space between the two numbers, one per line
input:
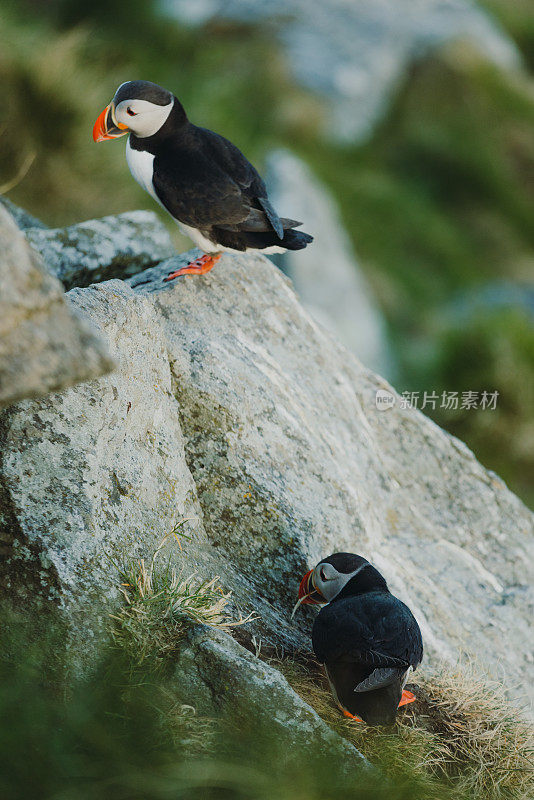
(327, 276)
(99, 249)
(23, 219)
(101, 465)
(293, 460)
(225, 679)
(44, 345)
(251, 419)
(355, 53)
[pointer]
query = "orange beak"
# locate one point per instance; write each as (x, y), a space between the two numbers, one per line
(106, 128)
(308, 594)
(304, 589)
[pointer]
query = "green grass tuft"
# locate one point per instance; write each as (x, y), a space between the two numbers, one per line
(160, 603)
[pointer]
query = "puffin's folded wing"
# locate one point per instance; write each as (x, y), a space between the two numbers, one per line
(233, 163)
(272, 216)
(202, 203)
(257, 222)
(379, 678)
(371, 658)
(226, 156)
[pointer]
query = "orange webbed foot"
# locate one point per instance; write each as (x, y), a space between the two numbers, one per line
(198, 267)
(350, 716)
(407, 697)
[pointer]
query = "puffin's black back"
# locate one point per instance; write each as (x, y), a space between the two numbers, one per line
(360, 632)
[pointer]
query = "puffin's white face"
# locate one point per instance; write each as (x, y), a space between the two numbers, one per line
(329, 582)
(322, 584)
(141, 117)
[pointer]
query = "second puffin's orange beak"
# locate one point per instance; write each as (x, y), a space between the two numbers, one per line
(308, 594)
(304, 589)
(106, 128)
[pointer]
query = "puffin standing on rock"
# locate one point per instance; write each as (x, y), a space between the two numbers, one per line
(368, 640)
(203, 181)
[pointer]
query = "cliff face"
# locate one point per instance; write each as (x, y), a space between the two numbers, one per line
(232, 414)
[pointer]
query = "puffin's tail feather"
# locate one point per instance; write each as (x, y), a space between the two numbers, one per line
(296, 240)
(293, 240)
(261, 240)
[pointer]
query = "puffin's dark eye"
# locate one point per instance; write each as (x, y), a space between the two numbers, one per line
(323, 576)
(130, 112)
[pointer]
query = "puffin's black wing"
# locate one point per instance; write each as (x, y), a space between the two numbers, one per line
(232, 162)
(196, 191)
(376, 629)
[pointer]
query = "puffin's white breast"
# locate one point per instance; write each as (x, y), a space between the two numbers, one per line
(141, 166)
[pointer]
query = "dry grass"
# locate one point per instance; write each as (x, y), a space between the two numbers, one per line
(192, 733)
(485, 745)
(161, 603)
(461, 739)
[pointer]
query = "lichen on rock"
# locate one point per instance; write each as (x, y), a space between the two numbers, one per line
(100, 249)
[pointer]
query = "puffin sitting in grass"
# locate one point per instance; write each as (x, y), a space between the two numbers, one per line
(203, 180)
(368, 640)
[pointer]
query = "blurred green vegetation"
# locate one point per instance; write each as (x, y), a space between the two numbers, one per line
(517, 17)
(439, 203)
(493, 348)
